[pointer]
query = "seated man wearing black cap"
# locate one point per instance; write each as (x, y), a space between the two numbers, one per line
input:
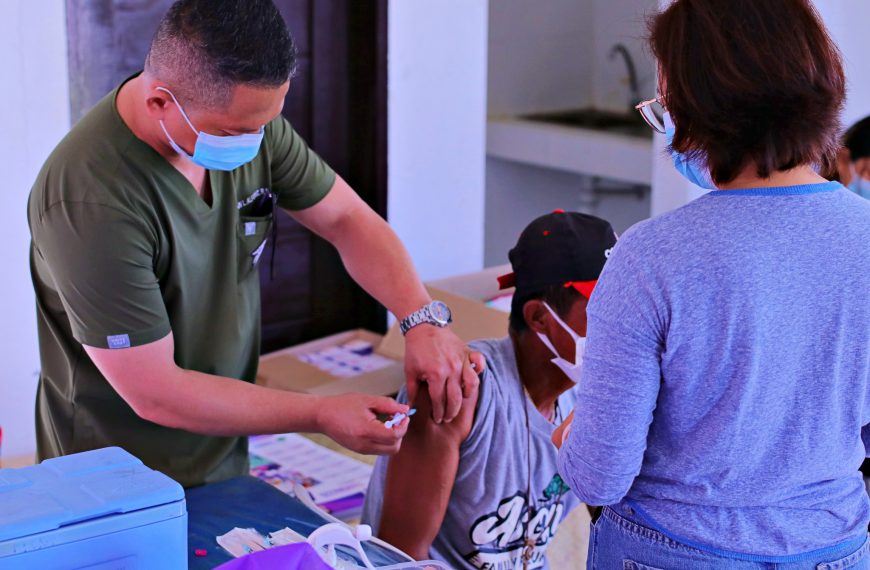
(484, 491)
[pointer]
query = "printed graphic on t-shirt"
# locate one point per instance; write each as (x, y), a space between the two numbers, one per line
(502, 536)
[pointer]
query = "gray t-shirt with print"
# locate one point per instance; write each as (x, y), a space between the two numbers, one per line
(487, 520)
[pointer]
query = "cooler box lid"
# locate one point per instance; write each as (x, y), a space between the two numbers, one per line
(85, 486)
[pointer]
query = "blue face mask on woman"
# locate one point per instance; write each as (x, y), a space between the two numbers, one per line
(213, 152)
(697, 174)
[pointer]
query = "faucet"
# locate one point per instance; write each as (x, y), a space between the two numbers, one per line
(620, 49)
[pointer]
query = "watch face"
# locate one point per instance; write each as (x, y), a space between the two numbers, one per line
(440, 312)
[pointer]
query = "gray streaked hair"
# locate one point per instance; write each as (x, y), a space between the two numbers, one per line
(204, 48)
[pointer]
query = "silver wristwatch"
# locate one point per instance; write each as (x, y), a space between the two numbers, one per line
(435, 313)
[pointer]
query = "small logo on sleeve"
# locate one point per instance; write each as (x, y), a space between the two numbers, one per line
(118, 341)
(250, 228)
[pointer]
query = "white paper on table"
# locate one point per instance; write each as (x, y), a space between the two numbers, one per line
(242, 541)
(286, 536)
(327, 475)
(350, 359)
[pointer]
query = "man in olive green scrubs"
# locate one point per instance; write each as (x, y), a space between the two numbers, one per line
(148, 221)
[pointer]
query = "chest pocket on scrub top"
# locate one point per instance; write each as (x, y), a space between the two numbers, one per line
(255, 227)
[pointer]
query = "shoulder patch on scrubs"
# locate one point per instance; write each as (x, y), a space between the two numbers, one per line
(118, 341)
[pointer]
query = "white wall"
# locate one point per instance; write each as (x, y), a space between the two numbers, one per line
(621, 21)
(553, 55)
(847, 21)
(518, 193)
(540, 55)
(34, 112)
(437, 131)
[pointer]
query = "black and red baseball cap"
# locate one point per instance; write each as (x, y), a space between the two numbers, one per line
(561, 248)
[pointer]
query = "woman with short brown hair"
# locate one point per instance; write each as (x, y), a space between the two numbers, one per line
(725, 382)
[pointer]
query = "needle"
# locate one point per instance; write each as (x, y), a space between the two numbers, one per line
(397, 419)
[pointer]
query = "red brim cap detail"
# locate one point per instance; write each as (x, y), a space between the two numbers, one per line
(507, 281)
(583, 287)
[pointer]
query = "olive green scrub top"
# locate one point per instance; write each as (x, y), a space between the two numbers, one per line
(124, 251)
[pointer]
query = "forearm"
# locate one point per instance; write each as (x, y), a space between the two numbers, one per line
(417, 490)
(214, 405)
(376, 259)
(604, 450)
(420, 480)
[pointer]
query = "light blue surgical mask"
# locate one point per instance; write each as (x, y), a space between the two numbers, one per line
(213, 152)
(697, 174)
(859, 185)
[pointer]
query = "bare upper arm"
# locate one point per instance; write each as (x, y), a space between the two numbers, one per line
(137, 373)
(420, 477)
(326, 217)
(424, 428)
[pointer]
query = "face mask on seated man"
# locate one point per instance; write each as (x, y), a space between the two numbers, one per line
(483, 491)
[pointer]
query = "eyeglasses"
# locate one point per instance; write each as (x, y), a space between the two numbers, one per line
(653, 112)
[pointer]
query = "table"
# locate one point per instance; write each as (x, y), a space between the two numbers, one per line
(247, 502)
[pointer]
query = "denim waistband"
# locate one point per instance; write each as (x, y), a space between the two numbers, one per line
(640, 517)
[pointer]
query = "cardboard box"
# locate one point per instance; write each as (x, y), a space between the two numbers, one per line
(472, 319)
(283, 369)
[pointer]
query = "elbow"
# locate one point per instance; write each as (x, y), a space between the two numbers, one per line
(416, 549)
(154, 412)
(152, 408)
(155, 398)
(600, 496)
(592, 486)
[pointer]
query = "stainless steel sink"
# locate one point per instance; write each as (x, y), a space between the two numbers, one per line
(631, 124)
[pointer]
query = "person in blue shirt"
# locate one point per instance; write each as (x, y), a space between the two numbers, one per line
(725, 380)
(853, 162)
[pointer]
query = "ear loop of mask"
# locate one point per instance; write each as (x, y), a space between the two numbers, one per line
(180, 109)
(175, 146)
(576, 337)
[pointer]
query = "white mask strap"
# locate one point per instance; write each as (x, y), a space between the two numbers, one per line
(559, 320)
(180, 108)
(549, 344)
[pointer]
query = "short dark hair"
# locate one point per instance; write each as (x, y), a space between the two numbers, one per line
(857, 139)
(204, 48)
(750, 82)
(559, 297)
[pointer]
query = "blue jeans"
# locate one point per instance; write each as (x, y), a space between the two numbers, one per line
(619, 543)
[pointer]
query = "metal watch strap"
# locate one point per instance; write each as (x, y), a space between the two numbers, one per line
(416, 318)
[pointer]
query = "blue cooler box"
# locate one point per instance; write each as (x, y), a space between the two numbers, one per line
(100, 510)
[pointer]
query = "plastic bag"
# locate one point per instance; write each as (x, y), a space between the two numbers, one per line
(289, 557)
